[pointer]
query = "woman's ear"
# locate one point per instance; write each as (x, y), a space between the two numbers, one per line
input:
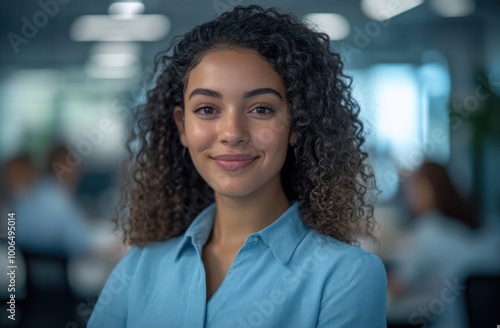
(179, 122)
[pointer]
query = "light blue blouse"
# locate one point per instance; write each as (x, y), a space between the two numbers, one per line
(285, 275)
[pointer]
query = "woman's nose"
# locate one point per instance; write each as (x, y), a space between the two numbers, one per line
(233, 128)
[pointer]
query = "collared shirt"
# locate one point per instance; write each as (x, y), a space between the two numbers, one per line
(285, 275)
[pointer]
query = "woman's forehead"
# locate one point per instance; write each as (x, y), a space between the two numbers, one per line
(233, 70)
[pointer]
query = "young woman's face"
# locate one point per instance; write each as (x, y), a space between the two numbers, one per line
(236, 122)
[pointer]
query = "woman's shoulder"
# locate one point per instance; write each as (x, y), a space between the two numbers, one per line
(350, 277)
(337, 255)
(150, 255)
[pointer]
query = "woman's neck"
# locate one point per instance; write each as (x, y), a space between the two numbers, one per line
(236, 218)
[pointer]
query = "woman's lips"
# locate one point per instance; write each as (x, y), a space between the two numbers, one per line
(234, 165)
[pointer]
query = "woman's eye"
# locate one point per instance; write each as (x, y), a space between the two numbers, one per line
(205, 110)
(263, 110)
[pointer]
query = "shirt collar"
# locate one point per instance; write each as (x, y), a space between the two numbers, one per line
(282, 236)
(198, 231)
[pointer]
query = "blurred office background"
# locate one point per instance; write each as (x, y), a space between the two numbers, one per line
(426, 74)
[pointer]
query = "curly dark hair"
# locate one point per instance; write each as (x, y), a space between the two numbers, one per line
(326, 170)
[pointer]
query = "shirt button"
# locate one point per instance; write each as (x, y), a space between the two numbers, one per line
(255, 238)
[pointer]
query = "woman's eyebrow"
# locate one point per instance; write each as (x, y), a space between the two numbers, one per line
(249, 94)
(205, 92)
(262, 91)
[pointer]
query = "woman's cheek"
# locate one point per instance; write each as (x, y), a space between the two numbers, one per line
(199, 136)
(269, 133)
(263, 137)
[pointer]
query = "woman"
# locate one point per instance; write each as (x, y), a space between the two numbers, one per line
(442, 250)
(247, 188)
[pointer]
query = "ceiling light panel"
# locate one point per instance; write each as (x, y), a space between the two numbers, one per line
(106, 28)
(336, 26)
(381, 10)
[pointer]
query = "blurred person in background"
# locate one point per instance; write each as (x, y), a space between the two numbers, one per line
(50, 230)
(17, 180)
(19, 177)
(49, 220)
(444, 248)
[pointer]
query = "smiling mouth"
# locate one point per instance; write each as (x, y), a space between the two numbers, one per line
(234, 165)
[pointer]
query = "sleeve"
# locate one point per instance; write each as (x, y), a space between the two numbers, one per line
(111, 308)
(357, 298)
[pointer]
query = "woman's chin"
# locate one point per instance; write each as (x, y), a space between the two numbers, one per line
(235, 189)
(232, 193)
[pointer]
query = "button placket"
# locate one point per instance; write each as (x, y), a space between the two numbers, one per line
(239, 268)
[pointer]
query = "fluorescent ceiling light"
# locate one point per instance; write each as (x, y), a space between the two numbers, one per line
(453, 8)
(105, 28)
(100, 72)
(115, 47)
(115, 54)
(336, 26)
(381, 10)
(125, 10)
(114, 60)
